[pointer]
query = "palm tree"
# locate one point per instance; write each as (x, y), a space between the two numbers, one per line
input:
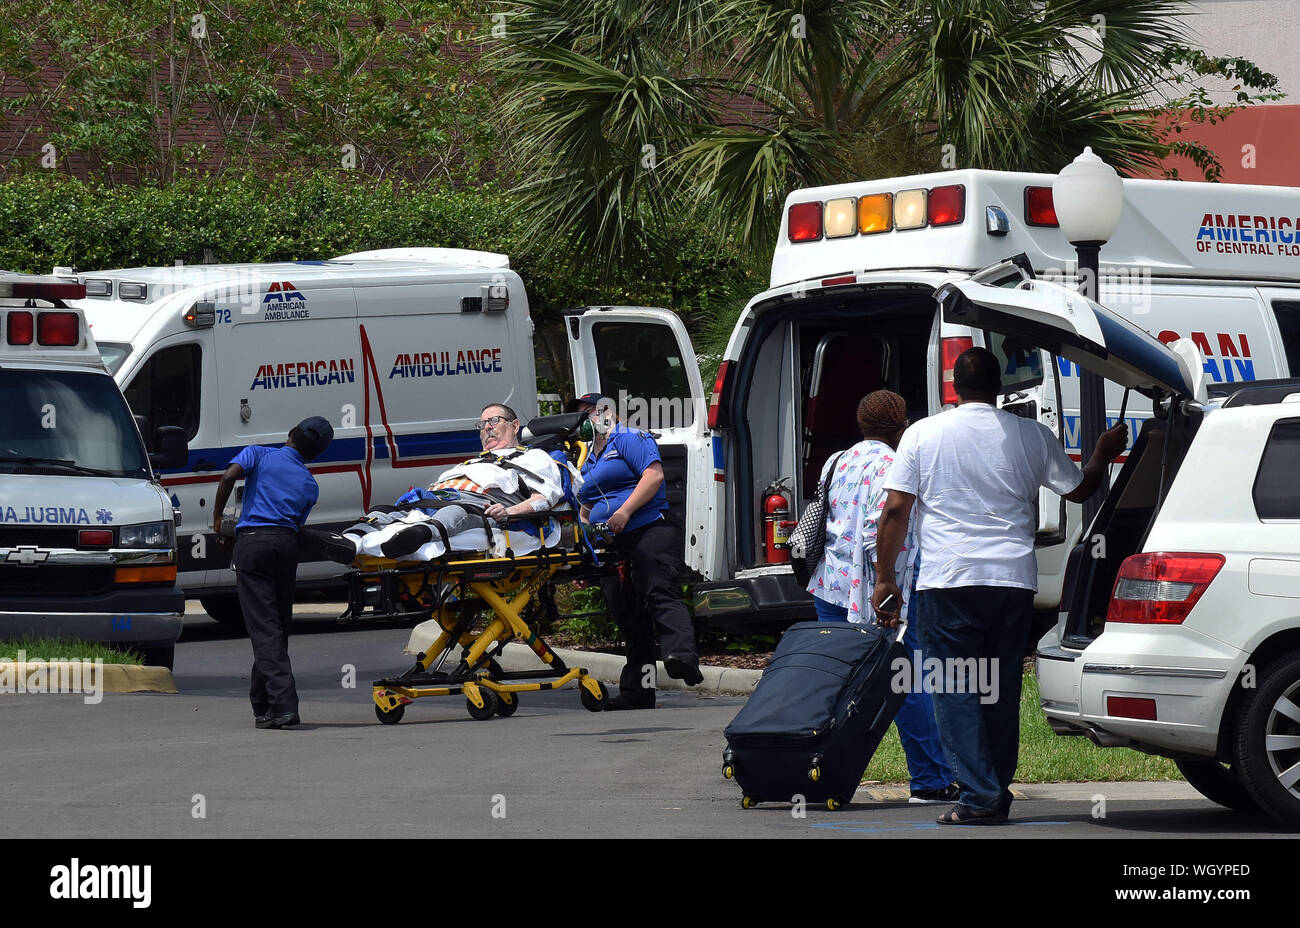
(627, 117)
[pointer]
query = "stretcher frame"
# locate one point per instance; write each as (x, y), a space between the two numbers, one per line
(511, 586)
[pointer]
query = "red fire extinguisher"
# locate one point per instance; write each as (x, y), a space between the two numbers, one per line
(776, 524)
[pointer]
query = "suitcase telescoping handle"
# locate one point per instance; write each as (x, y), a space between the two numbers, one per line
(902, 619)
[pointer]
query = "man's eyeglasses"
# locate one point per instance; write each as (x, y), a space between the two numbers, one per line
(489, 423)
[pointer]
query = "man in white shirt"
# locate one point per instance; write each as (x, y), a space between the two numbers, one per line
(973, 473)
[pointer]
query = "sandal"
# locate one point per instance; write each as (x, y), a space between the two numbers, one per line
(964, 815)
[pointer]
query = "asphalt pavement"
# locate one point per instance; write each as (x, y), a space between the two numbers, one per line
(193, 765)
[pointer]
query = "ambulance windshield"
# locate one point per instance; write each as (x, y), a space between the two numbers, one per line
(67, 422)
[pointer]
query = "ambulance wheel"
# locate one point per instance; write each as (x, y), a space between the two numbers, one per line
(834, 805)
(814, 773)
(748, 802)
(490, 703)
(592, 703)
(161, 657)
(390, 717)
(507, 703)
(224, 607)
(728, 772)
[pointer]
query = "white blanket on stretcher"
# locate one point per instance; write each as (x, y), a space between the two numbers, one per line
(472, 540)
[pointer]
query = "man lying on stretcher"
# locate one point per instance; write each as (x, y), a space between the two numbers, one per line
(504, 480)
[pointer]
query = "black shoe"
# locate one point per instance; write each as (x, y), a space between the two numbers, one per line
(407, 541)
(341, 549)
(286, 720)
(627, 701)
(949, 793)
(686, 669)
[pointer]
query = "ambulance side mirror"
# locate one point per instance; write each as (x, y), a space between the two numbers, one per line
(173, 450)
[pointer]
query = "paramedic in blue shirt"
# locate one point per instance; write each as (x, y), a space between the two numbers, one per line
(623, 486)
(279, 492)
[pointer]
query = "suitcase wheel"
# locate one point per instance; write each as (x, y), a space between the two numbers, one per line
(748, 802)
(814, 773)
(834, 804)
(728, 771)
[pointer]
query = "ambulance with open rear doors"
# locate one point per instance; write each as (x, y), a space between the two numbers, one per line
(851, 308)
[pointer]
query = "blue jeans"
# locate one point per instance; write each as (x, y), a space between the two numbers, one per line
(917, 729)
(980, 734)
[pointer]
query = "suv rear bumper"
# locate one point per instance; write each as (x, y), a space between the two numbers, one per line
(1188, 682)
(145, 618)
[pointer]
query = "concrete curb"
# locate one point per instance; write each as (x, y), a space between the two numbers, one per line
(718, 681)
(117, 678)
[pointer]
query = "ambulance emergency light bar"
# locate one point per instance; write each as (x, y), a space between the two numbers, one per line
(902, 211)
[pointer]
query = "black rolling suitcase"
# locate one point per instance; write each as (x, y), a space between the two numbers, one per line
(817, 715)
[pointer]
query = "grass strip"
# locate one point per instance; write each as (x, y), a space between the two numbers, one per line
(70, 649)
(1045, 757)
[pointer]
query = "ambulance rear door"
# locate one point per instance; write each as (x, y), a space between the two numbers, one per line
(642, 358)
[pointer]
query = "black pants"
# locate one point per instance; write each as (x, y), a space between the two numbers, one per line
(266, 565)
(649, 602)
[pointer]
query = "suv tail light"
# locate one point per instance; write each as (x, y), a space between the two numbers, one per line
(952, 350)
(1161, 588)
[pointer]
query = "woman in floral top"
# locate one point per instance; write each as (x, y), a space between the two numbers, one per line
(845, 577)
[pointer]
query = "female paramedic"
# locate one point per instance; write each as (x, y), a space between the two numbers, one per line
(623, 486)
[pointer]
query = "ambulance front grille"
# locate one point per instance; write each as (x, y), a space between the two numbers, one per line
(55, 580)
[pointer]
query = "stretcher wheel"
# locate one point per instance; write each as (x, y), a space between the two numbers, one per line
(748, 802)
(834, 804)
(507, 703)
(814, 773)
(390, 718)
(592, 703)
(490, 703)
(728, 771)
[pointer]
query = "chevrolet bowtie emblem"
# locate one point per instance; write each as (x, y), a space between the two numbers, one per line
(27, 556)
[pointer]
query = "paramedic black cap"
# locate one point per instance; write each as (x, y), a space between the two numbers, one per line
(317, 433)
(589, 398)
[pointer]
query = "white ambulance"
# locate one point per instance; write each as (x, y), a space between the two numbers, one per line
(87, 539)
(851, 308)
(400, 349)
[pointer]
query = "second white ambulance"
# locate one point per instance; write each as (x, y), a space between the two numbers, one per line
(851, 308)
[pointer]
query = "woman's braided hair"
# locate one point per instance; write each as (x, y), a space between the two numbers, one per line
(882, 413)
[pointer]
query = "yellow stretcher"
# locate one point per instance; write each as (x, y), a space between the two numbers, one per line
(455, 590)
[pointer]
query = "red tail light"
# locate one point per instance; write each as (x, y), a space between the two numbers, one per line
(715, 401)
(1040, 209)
(951, 350)
(56, 328)
(1161, 588)
(947, 205)
(20, 327)
(805, 222)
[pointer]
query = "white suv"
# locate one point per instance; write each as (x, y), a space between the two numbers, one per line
(1179, 630)
(1184, 640)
